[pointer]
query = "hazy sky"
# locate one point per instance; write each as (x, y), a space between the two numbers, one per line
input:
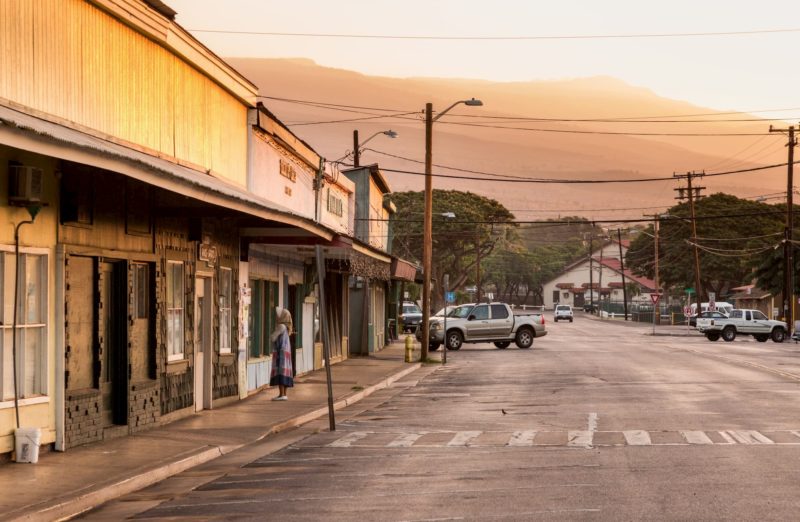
(742, 72)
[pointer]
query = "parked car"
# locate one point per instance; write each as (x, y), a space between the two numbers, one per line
(706, 315)
(588, 307)
(485, 322)
(411, 316)
(562, 312)
(725, 308)
(742, 322)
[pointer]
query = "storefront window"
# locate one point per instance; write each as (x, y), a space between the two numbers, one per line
(225, 283)
(31, 325)
(175, 306)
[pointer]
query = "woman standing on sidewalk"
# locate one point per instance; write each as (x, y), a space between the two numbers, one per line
(281, 374)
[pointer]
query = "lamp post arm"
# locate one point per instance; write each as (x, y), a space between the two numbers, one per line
(436, 118)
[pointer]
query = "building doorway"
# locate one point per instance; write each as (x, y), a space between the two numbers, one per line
(113, 345)
(203, 341)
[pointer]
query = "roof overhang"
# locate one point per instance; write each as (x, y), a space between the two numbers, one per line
(23, 131)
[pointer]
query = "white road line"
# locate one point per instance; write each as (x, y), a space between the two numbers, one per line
(348, 439)
(727, 437)
(592, 422)
(696, 437)
(522, 438)
(749, 437)
(405, 440)
(461, 438)
(581, 439)
(795, 433)
(637, 438)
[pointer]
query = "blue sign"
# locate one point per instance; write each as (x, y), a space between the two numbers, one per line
(450, 297)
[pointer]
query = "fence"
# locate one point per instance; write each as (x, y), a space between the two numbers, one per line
(642, 312)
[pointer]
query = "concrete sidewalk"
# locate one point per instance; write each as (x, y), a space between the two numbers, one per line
(65, 484)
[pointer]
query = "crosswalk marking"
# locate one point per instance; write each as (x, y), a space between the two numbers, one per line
(696, 437)
(580, 438)
(406, 440)
(574, 438)
(749, 437)
(637, 438)
(348, 440)
(462, 438)
(522, 438)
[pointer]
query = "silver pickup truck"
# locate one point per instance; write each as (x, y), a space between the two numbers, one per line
(485, 322)
(742, 322)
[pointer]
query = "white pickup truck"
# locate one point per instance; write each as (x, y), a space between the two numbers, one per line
(485, 322)
(742, 322)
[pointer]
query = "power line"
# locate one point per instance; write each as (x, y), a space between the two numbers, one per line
(608, 133)
(623, 119)
(576, 181)
(503, 38)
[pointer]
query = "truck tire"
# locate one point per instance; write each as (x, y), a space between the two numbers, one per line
(433, 347)
(712, 336)
(778, 335)
(502, 344)
(454, 340)
(728, 334)
(524, 338)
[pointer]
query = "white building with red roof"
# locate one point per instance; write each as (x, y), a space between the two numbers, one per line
(601, 272)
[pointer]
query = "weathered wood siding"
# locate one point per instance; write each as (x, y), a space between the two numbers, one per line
(71, 60)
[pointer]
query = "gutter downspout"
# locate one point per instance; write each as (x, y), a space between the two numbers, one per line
(33, 211)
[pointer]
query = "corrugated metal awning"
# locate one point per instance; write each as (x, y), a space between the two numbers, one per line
(26, 132)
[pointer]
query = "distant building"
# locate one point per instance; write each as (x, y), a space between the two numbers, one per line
(574, 286)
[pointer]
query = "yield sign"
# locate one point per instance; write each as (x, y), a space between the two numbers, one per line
(655, 298)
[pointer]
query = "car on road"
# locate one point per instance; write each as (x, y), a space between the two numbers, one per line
(588, 307)
(742, 322)
(707, 315)
(411, 316)
(562, 312)
(485, 322)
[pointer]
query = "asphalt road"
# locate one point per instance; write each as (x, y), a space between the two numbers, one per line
(597, 422)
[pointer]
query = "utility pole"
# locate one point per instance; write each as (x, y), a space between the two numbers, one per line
(591, 268)
(693, 193)
(477, 264)
(788, 233)
(622, 271)
(600, 277)
(356, 154)
(658, 285)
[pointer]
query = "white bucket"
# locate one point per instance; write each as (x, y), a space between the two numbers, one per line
(27, 444)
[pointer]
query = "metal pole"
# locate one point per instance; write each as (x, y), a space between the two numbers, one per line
(326, 348)
(427, 234)
(356, 154)
(444, 344)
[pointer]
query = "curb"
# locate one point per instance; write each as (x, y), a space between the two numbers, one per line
(67, 509)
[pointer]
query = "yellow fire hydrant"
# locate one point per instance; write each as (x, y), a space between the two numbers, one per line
(409, 348)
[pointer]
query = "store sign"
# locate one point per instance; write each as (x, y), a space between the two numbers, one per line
(207, 252)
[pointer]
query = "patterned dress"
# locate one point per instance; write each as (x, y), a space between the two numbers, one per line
(282, 361)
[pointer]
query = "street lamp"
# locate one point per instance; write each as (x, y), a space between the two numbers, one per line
(358, 146)
(427, 237)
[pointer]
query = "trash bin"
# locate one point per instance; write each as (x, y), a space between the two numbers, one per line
(27, 444)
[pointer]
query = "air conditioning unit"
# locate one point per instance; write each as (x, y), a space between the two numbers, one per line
(24, 185)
